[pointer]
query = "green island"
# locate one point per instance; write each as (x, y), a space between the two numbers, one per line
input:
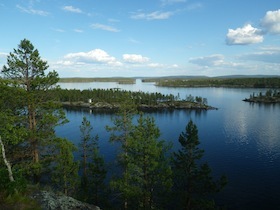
(111, 99)
(230, 81)
(270, 96)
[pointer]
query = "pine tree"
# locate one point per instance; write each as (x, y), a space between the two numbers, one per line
(120, 133)
(65, 169)
(193, 181)
(92, 165)
(27, 71)
(149, 173)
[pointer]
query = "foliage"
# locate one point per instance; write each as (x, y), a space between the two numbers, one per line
(149, 170)
(8, 187)
(193, 180)
(269, 82)
(34, 112)
(147, 175)
(120, 133)
(65, 170)
(110, 96)
(92, 165)
(270, 96)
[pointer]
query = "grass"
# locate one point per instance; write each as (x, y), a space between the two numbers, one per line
(19, 201)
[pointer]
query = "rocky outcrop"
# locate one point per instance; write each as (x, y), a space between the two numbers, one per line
(51, 201)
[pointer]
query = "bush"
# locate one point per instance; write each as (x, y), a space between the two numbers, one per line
(8, 187)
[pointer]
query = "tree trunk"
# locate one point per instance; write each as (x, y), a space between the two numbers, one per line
(7, 163)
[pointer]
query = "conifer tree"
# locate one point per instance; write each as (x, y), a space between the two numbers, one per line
(149, 172)
(120, 133)
(27, 71)
(193, 181)
(92, 165)
(65, 169)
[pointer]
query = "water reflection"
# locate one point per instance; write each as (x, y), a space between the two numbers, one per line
(240, 139)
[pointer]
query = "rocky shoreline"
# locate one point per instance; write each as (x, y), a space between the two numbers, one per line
(143, 107)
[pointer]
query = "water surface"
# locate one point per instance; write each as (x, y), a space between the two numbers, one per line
(240, 139)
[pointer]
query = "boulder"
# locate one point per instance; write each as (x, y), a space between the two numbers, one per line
(51, 201)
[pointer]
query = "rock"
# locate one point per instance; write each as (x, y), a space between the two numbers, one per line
(52, 201)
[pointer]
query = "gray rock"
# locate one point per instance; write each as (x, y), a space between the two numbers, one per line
(52, 201)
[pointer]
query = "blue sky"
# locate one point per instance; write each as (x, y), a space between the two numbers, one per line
(94, 38)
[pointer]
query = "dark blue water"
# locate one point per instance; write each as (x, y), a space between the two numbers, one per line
(240, 139)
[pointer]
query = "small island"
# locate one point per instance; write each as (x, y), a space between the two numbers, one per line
(168, 105)
(271, 96)
(111, 100)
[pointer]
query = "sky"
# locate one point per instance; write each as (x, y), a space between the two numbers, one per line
(146, 38)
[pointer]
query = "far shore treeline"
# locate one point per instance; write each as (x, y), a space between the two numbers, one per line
(242, 81)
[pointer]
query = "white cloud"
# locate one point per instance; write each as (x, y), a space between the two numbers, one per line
(244, 36)
(155, 65)
(268, 55)
(72, 9)
(91, 57)
(78, 30)
(104, 27)
(208, 61)
(32, 11)
(157, 15)
(134, 58)
(65, 63)
(3, 54)
(59, 30)
(271, 22)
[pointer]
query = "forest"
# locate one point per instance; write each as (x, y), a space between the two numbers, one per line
(246, 82)
(111, 99)
(148, 175)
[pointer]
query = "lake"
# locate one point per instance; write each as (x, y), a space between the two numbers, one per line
(240, 139)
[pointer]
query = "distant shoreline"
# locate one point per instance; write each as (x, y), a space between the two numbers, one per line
(190, 82)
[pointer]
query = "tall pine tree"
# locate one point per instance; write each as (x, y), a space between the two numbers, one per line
(65, 169)
(92, 165)
(27, 71)
(149, 170)
(193, 181)
(120, 133)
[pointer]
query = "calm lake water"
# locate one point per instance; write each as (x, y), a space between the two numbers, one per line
(240, 139)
